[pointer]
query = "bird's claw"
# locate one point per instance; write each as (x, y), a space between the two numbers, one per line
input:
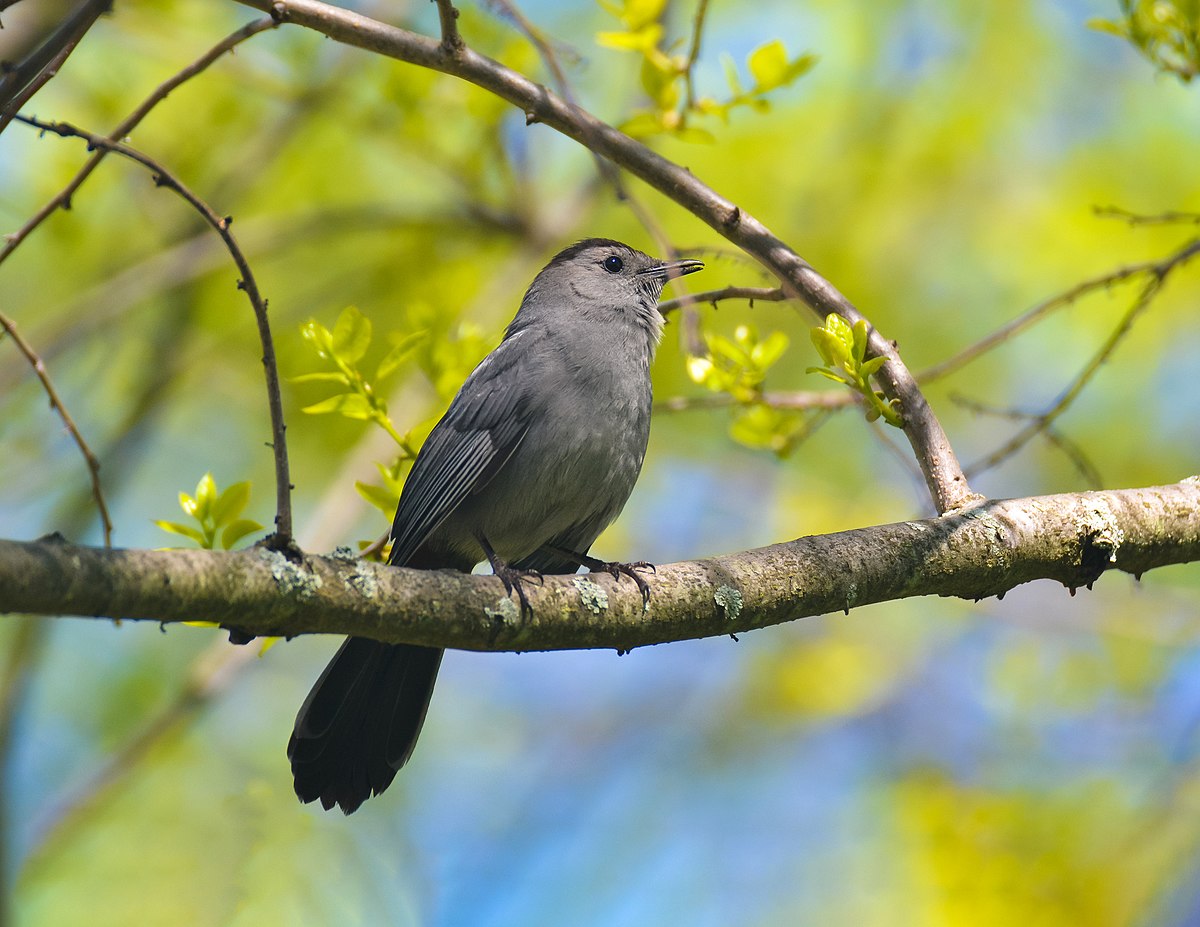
(617, 570)
(513, 580)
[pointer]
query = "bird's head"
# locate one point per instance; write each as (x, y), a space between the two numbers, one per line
(605, 281)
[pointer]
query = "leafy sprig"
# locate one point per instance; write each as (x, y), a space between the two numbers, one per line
(843, 348)
(214, 512)
(666, 74)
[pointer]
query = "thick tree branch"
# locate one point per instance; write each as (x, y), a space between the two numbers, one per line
(984, 551)
(943, 474)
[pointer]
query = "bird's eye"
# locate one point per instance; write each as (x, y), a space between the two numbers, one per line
(613, 264)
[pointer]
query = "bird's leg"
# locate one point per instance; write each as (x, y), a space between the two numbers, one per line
(616, 570)
(510, 576)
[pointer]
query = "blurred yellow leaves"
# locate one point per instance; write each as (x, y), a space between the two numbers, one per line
(833, 676)
(991, 858)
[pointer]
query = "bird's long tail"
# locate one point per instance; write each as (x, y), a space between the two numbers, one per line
(361, 720)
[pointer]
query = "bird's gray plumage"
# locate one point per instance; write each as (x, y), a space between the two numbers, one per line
(536, 455)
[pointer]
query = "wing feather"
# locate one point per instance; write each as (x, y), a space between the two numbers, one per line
(479, 432)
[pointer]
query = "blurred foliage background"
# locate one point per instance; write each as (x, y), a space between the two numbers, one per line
(928, 762)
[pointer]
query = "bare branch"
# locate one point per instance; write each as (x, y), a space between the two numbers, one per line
(452, 42)
(984, 551)
(62, 200)
(1048, 306)
(1170, 217)
(247, 283)
(1073, 452)
(26, 77)
(1158, 276)
(694, 53)
(56, 403)
(752, 293)
(939, 465)
(799, 400)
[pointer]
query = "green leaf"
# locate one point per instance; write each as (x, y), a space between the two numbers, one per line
(329, 376)
(318, 336)
(237, 530)
(869, 368)
(644, 40)
(660, 80)
(351, 336)
(187, 531)
(859, 344)
(230, 503)
(769, 65)
(799, 67)
(206, 496)
(383, 499)
(769, 350)
(401, 350)
(643, 125)
(636, 14)
(830, 374)
(351, 405)
(832, 349)
(731, 75)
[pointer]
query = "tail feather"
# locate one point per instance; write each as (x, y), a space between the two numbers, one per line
(361, 720)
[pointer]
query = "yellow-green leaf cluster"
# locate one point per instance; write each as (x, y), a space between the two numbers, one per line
(666, 75)
(1165, 32)
(843, 348)
(214, 512)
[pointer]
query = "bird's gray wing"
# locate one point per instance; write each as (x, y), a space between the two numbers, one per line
(483, 426)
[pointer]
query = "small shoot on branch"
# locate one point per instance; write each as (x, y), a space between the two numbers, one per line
(843, 348)
(345, 346)
(215, 514)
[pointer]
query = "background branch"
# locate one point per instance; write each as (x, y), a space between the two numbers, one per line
(247, 283)
(56, 403)
(62, 200)
(22, 80)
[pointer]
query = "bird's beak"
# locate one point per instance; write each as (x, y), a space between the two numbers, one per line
(674, 269)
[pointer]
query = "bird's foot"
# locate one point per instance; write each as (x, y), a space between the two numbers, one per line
(514, 579)
(617, 570)
(613, 569)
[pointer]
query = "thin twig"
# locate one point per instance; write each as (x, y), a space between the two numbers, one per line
(46, 75)
(752, 293)
(1170, 217)
(247, 283)
(41, 63)
(62, 200)
(1073, 452)
(797, 400)
(694, 53)
(56, 403)
(1035, 314)
(451, 41)
(1041, 422)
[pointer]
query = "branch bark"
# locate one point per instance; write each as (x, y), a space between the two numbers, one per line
(939, 465)
(983, 551)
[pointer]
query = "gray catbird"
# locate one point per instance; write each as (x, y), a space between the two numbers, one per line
(534, 458)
